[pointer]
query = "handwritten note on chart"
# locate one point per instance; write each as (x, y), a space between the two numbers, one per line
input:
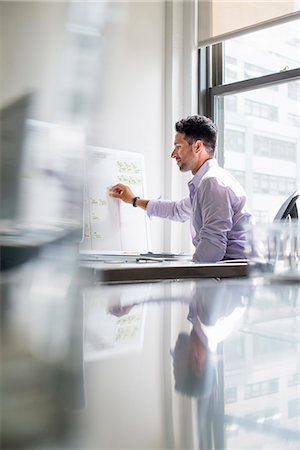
(109, 224)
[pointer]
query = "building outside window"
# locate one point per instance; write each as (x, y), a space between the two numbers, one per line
(275, 148)
(257, 111)
(294, 91)
(294, 120)
(260, 389)
(294, 408)
(230, 394)
(235, 140)
(261, 110)
(294, 379)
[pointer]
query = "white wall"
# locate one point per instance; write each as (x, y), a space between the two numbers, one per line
(129, 109)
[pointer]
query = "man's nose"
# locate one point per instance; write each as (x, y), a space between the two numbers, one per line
(173, 154)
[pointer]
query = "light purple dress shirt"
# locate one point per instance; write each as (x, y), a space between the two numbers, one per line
(217, 210)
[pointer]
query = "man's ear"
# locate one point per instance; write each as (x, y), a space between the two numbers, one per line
(198, 145)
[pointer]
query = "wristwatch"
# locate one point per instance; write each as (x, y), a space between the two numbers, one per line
(134, 202)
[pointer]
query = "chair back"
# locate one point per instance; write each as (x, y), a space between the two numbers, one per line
(289, 208)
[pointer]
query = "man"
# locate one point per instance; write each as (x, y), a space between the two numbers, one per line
(216, 205)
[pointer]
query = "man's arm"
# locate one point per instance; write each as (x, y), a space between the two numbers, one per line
(125, 194)
(165, 209)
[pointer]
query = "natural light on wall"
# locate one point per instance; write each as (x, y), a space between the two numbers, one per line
(221, 19)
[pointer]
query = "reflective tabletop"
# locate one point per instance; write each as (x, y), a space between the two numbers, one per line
(201, 364)
(196, 365)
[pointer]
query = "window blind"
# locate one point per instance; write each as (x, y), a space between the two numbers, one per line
(219, 20)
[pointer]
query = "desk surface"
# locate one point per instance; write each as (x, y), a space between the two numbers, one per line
(136, 394)
(111, 368)
(168, 270)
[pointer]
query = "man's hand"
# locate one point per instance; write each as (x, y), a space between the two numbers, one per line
(122, 192)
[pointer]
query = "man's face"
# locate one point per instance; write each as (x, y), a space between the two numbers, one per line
(183, 153)
(190, 354)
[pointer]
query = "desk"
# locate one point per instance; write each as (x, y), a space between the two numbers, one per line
(105, 366)
(168, 270)
(134, 398)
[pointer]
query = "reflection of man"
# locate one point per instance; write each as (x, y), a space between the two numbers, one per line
(216, 204)
(213, 314)
(194, 366)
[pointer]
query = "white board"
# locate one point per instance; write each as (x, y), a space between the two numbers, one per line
(109, 224)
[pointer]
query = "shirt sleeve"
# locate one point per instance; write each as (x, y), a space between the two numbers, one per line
(215, 207)
(179, 210)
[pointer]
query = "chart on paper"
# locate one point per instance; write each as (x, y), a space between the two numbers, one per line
(109, 224)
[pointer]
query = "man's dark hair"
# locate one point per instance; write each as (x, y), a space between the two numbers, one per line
(189, 383)
(199, 127)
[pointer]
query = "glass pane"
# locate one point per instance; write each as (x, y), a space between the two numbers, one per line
(260, 136)
(264, 52)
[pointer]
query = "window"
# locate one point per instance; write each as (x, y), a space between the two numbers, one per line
(230, 395)
(231, 60)
(274, 148)
(231, 103)
(294, 379)
(252, 70)
(263, 346)
(231, 74)
(294, 408)
(294, 91)
(261, 110)
(294, 120)
(234, 140)
(264, 52)
(260, 389)
(258, 113)
(273, 185)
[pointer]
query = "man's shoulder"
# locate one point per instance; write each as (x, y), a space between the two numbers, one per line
(209, 182)
(212, 176)
(220, 180)
(219, 175)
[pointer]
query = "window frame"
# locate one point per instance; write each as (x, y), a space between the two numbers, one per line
(212, 89)
(221, 90)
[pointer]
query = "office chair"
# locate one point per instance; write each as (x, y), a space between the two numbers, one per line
(289, 208)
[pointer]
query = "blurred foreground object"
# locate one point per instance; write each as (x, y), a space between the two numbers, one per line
(42, 162)
(274, 250)
(38, 382)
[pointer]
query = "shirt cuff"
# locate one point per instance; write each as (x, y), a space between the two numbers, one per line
(150, 208)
